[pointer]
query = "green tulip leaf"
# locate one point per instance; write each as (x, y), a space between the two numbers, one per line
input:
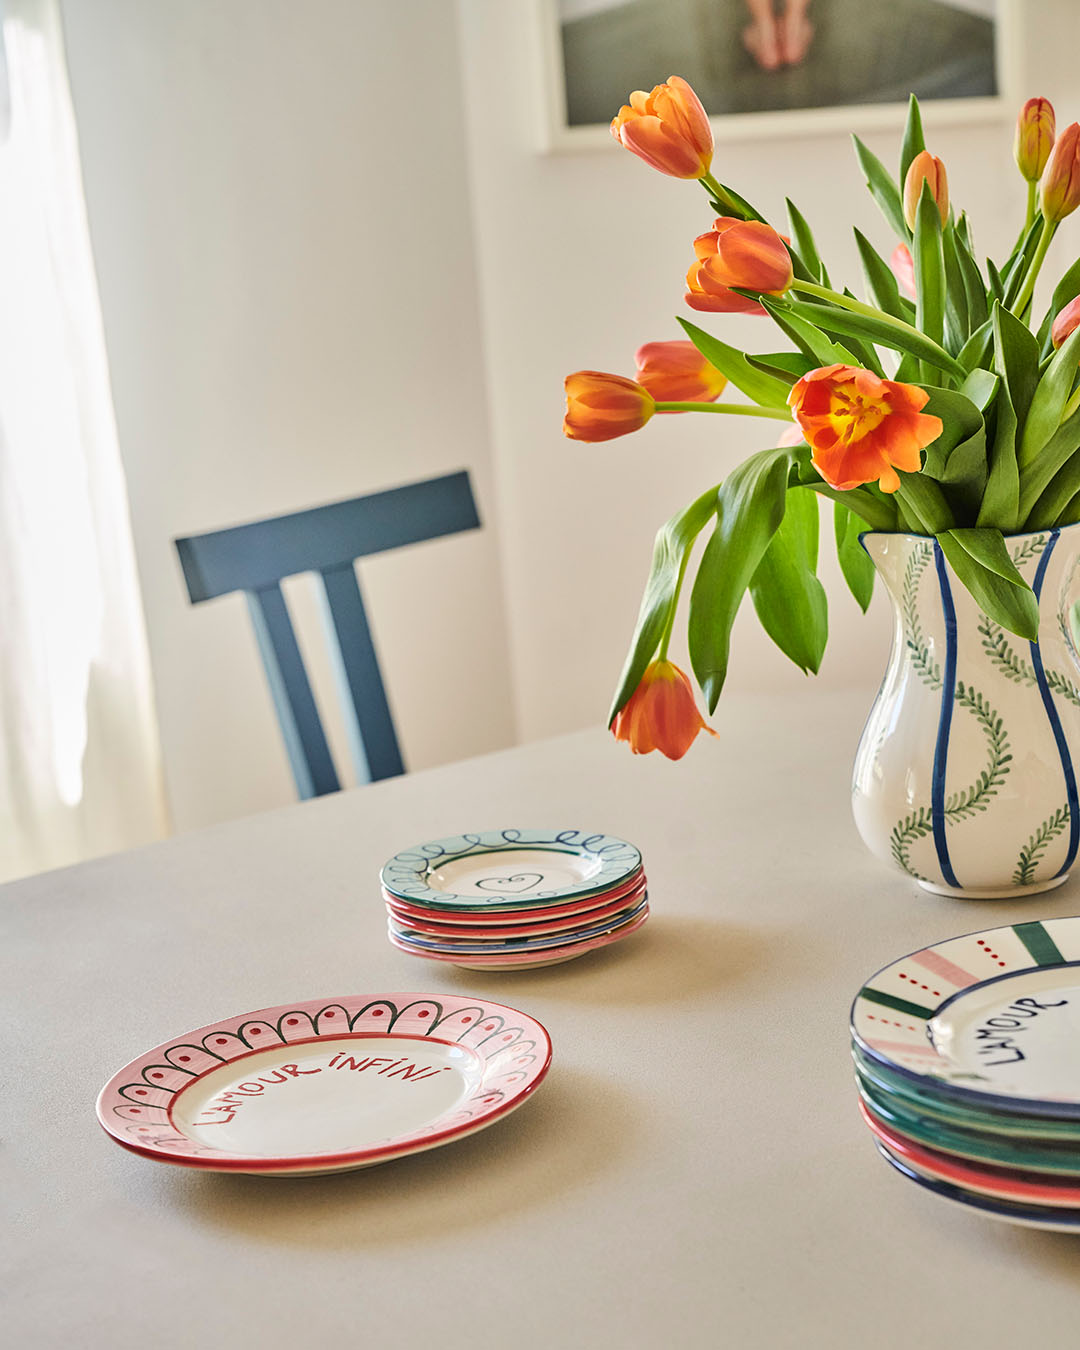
(913, 143)
(1045, 485)
(1048, 401)
(1000, 507)
(803, 322)
(928, 257)
(805, 245)
(766, 390)
(842, 321)
(750, 507)
(961, 419)
(883, 189)
(883, 286)
(854, 560)
(673, 543)
(788, 597)
(981, 561)
(1068, 288)
(1016, 359)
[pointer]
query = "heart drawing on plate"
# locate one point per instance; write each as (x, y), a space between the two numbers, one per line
(520, 881)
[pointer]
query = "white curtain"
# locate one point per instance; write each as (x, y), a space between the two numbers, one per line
(80, 769)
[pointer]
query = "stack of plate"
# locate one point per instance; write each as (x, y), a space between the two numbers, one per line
(967, 1056)
(514, 899)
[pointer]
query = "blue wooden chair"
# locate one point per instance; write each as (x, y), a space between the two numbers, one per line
(255, 558)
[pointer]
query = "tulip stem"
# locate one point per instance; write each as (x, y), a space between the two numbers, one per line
(731, 409)
(1049, 226)
(669, 622)
(1070, 407)
(709, 183)
(857, 307)
(1033, 197)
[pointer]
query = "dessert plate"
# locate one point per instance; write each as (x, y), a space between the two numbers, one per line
(490, 945)
(990, 1019)
(972, 1146)
(327, 1085)
(528, 960)
(1026, 1216)
(524, 921)
(509, 869)
(1023, 1187)
(903, 1095)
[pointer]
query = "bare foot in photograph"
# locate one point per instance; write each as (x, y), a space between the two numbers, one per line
(796, 32)
(762, 38)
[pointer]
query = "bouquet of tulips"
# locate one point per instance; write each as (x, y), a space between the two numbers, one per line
(939, 406)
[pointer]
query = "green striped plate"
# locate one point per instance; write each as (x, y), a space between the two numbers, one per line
(990, 1020)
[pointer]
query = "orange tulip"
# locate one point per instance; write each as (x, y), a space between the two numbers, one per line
(925, 166)
(661, 713)
(667, 128)
(744, 253)
(1066, 322)
(1034, 137)
(676, 372)
(860, 428)
(600, 407)
(1060, 189)
(903, 269)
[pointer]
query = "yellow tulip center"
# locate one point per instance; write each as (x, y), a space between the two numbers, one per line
(855, 414)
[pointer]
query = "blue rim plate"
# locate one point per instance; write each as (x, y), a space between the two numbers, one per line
(1027, 1216)
(509, 869)
(989, 1019)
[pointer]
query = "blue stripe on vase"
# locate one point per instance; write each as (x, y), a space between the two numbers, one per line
(1054, 719)
(948, 694)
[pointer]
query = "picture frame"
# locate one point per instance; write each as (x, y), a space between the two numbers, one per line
(556, 134)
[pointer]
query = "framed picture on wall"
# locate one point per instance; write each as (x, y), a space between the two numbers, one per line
(776, 67)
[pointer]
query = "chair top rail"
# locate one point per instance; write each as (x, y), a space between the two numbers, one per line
(254, 556)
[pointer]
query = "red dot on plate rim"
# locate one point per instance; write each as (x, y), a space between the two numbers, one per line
(256, 1031)
(157, 1075)
(423, 1013)
(291, 1021)
(184, 1059)
(377, 1012)
(222, 1040)
(331, 1013)
(465, 1021)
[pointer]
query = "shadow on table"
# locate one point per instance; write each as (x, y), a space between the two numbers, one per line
(668, 960)
(576, 1129)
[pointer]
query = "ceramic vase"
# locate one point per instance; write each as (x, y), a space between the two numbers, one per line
(964, 776)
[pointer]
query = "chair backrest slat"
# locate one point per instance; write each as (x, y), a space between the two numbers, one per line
(255, 558)
(370, 726)
(305, 740)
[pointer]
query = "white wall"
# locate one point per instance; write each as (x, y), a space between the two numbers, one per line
(582, 257)
(280, 214)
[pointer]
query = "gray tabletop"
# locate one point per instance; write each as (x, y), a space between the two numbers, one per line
(692, 1173)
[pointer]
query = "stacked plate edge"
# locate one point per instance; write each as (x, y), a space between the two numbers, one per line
(967, 1064)
(514, 899)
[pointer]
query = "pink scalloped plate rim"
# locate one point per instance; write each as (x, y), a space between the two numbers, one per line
(501, 1055)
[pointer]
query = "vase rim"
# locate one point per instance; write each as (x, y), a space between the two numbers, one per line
(929, 538)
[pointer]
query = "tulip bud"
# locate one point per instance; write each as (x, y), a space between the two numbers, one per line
(667, 128)
(661, 713)
(676, 372)
(1066, 322)
(600, 406)
(1035, 129)
(925, 167)
(1060, 187)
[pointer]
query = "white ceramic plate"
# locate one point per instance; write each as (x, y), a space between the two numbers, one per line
(509, 869)
(990, 1018)
(327, 1085)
